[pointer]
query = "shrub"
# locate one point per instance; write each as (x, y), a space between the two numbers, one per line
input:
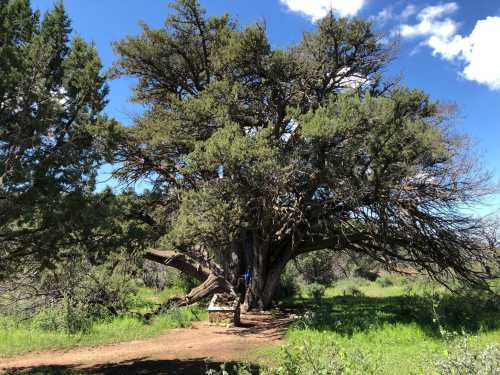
(461, 313)
(384, 282)
(290, 284)
(311, 358)
(68, 316)
(155, 275)
(366, 273)
(318, 267)
(103, 290)
(352, 291)
(464, 359)
(184, 282)
(181, 318)
(315, 291)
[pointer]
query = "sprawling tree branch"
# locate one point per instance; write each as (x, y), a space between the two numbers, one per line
(266, 154)
(179, 262)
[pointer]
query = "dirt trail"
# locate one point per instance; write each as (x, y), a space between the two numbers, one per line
(180, 351)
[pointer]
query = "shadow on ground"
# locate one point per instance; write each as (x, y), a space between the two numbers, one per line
(349, 314)
(272, 326)
(342, 314)
(138, 366)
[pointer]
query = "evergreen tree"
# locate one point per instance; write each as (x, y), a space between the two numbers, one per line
(52, 92)
(257, 155)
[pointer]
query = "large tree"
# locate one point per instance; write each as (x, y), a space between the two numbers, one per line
(52, 92)
(257, 155)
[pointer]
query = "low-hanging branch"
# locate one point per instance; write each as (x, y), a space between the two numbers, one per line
(178, 261)
(257, 155)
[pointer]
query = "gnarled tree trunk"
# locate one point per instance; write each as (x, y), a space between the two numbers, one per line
(257, 296)
(211, 282)
(264, 282)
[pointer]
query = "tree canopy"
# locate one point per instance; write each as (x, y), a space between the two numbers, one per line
(258, 154)
(52, 92)
(254, 155)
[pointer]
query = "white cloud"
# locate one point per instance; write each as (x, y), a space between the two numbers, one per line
(431, 23)
(317, 9)
(437, 11)
(479, 52)
(384, 15)
(409, 11)
(389, 14)
(442, 29)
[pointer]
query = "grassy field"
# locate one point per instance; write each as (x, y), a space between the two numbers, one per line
(393, 326)
(20, 335)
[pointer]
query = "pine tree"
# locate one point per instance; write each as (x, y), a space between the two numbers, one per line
(52, 93)
(257, 155)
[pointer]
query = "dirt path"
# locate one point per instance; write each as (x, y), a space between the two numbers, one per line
(180, 351)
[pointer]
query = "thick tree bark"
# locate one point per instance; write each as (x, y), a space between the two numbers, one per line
(261, 291)
(265, 276)
(178, 261)
(259, 294)
(214, 284)
(273, 282)
(211, 282)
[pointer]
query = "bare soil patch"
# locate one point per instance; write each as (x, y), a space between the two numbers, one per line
(180, 351)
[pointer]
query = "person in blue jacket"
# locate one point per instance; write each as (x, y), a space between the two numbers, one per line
(248, 277)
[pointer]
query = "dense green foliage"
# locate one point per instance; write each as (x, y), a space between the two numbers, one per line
(299, 167)
(257, 155)
(52, 92)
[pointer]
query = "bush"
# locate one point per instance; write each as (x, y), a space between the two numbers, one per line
(311, 358)
(290, 284)
(72, 295)
(155, 275)
(460, 313)
(184, 282)
(384, 282)
(180, 317)
(464, 359)
(366, 273)
(318, 267)
(315, 291)
(66, 316)
(352, 291)
(73, 284)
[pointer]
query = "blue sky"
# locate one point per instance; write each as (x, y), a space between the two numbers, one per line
(449, 49)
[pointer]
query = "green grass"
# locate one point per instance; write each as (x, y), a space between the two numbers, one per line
(147, 299)
(387, 349)
(20, 336)
(402, 327)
